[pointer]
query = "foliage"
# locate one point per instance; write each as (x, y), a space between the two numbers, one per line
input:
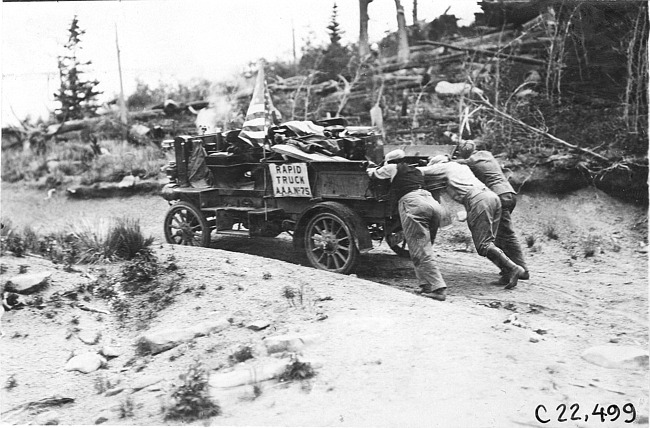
(76, 96)
(298, 370)
(61, 161)
(11, 382)
(146, 96)
(82, 243)
(126, 408)
(126, 240)
(191, 400)
(241, 354)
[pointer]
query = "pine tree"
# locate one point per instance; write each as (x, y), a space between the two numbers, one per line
(77, 96)
(333, 28)
(336, 57)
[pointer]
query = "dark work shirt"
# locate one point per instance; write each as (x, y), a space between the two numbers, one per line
(407, 179)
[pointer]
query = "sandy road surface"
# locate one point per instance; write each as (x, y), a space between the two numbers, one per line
(389, 357)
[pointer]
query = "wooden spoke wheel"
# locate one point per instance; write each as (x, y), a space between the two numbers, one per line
(185, 225)
(329, 243)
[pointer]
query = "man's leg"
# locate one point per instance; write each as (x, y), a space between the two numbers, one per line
(415, 214)
(506, 238)
(484, 212)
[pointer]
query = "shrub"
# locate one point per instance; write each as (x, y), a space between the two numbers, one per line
(550, 232)
(191, 401)
(126, 408)
(530, 240)
(242, 354)
(125, 240)
(298, 370)
(591, 245)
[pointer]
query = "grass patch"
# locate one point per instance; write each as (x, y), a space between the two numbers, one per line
(85, 243)
(190, 400)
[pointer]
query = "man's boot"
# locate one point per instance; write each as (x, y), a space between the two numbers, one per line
(513, 270)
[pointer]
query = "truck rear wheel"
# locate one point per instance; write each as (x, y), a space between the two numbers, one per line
(396, 240)
(329, 243)
(185, 225)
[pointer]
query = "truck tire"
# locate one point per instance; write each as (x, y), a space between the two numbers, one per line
(396, 240)
(186, 225)
(329, 243)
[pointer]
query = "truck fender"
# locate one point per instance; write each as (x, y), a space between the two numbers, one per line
(362, 238)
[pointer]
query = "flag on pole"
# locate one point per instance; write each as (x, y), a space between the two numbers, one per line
(260, 114)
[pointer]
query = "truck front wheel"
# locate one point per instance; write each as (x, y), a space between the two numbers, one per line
(329, 243)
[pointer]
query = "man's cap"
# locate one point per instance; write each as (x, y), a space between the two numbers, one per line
(394, 155)
(466, 148)
(438, 159)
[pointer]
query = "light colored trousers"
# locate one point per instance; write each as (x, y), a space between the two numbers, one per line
(483, 216)
(420, 216)
(506, 238)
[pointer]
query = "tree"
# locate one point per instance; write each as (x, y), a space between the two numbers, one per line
(364, 47)
(333, 28)
(76, 95)
(336, 57)
(402, 35)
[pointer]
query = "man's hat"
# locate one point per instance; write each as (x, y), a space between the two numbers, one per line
(394, 155)
(466, 148)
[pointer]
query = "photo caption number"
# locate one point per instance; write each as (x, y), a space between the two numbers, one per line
(609, 414)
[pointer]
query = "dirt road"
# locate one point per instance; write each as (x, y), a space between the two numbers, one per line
(388, 357)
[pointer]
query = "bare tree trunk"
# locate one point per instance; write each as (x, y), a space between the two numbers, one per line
(364, 47)
(415, 12)
(402, 35)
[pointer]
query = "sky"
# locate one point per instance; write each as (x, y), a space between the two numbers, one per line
(172, 40)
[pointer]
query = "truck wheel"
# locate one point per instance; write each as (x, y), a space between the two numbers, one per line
(185, 225)
(329, 243)
(396, 240)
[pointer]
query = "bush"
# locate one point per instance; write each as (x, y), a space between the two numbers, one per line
(298, 370)
(125, 240)
(191, 401)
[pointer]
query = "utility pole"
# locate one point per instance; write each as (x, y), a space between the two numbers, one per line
(293, 38)
(123, 116)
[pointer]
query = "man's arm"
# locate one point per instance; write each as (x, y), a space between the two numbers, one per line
(386, 171)
(436, 168)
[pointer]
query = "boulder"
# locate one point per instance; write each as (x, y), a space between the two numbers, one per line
(47, 418)
(110, 351)
(288, 343)
(89, 337)
(28, 283)
(162, 340)
(103, 416)
(145, 381)
(617, 356)
(258, 325)
(247, 374)
(114, 391)
(85, 363)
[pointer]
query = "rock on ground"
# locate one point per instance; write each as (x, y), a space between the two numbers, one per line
(85, 363)
(28, 283)
(617, 356)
